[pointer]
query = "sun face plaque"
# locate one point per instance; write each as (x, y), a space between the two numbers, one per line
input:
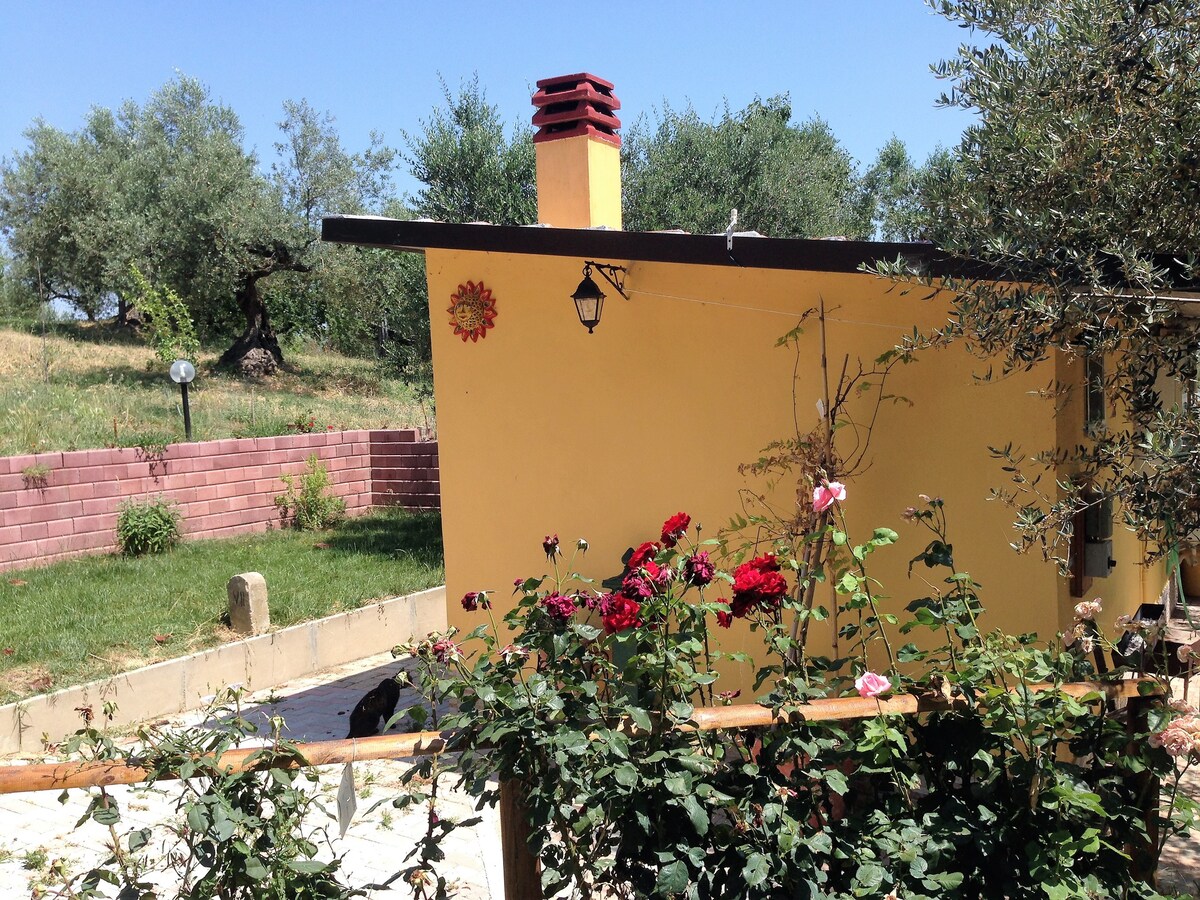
(472, 311)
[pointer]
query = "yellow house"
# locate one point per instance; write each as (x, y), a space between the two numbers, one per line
(545, 426)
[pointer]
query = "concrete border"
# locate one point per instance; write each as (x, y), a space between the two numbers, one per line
(180, 684)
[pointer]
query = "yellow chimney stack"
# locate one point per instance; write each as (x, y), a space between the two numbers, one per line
(578, 152)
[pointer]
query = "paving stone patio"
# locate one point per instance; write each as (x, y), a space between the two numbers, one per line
(315, 708)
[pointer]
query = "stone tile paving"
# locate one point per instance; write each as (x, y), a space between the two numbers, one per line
(37, 831)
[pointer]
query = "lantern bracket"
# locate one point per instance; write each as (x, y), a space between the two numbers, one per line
(614, 275)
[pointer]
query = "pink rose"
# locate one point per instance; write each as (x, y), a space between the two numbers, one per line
(869, 684)
(826, 494)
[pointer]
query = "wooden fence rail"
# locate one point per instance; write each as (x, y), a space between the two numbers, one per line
(521, 869)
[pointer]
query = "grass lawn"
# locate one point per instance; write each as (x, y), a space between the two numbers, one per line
(91, 386)
(87, 618)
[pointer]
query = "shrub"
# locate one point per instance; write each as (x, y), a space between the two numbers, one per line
(172, 333)
(149, 526)
(1011, 785)
(237, 834)
(305, 502)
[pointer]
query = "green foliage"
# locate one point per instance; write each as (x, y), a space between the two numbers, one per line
(36, 476)
(149, 526)
(1077, 190)
(305, 501)
(168, 185)
(468, 170)
(172, 334)
(896, 187)
(19, 304)
(240, 835)
(1013, 786)
(784, 180)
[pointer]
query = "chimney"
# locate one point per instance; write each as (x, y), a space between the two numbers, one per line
(578, 152)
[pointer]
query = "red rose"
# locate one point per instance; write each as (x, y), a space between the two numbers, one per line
(757, 585)
(637, 587)
(550, 545)
(724, 619)
(620, 613)
(675, 528)
(558, 607)
(698, 569)
(473, 600)
(646, 551)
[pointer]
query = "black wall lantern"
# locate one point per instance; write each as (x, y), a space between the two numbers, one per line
(589, 299)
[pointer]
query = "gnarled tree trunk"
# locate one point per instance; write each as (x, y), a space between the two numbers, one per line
(256, 351)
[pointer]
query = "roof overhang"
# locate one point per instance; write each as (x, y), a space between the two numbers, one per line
(747, 251)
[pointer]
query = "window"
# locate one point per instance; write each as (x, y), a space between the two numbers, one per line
(1094, 396)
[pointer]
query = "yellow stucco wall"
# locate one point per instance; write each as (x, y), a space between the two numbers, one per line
(579, 183)
(545, 428)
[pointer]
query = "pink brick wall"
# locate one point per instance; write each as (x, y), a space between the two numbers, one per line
(222, 487)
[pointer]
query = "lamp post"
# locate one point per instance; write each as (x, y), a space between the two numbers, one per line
(182, 373)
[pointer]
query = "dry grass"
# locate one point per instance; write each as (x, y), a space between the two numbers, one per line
(88, 386)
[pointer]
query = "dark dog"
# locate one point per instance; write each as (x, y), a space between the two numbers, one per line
(378, 703)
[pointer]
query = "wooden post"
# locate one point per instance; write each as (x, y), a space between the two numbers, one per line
(1143, 855)
(522, 871)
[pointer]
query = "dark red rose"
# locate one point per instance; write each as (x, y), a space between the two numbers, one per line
(660, 576)
(646, 551)
(620, 613)
(550, 545)
(559, 607)
(470, 601)
(698, 570)
(675, 528)
(724, 619)
(757, 585)
(637, 587)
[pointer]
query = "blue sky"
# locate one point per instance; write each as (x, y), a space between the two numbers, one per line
(862, 65)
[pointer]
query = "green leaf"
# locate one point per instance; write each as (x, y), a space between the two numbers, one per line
(836, 780)
(641, 718)
(306, 866)
(757, 868)
(696, 814)
(884, 536)
(626, 775)
(107, 815)
(255, 868)
(672, 878)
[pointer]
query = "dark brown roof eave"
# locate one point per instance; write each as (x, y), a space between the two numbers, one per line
(668, 247)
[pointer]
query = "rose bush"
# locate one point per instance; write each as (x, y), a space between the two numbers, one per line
(587, 696)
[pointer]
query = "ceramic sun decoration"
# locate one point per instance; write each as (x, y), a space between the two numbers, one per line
(472, 311)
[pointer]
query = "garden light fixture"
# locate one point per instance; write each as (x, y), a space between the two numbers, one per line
(182, 373)
(589, 299)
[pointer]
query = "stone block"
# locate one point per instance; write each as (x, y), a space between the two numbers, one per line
(248, 613)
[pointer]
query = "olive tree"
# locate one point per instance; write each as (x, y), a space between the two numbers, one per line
(1076, 198)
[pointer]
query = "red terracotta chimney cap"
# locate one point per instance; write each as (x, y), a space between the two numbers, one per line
(575, 79)
(570, 105)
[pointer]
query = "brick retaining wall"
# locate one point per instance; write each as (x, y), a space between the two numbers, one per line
(223, 487)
